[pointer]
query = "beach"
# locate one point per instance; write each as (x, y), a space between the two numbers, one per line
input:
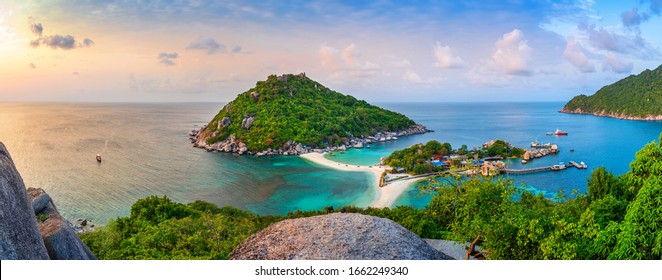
(386, 196)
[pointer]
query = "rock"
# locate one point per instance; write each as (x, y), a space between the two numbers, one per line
(451, 248)
(225, 122)
(247, 122)
(337, 236)
(40, 199)
(19, 233)
(60, 239)
(255, 95)
(242, 148)
(228, 148)
(299, 148)
(83, 223)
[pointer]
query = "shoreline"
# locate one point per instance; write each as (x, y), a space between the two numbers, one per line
(385, 196)
(613, 116)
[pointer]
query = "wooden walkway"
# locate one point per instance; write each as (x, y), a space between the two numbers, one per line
(528, 170)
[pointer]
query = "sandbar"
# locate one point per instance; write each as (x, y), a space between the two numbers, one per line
(386, 196)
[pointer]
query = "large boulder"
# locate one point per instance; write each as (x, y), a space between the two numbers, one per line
(19, 234)
(62, 242)
(224, 122)
(337, 236)
(247, 122)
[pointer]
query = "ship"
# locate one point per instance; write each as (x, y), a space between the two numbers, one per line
(559, 132)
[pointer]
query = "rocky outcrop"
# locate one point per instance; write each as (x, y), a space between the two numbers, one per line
(30, 225)
(247, 122)
(337, 236)
(19, 233)
(225, 122)
(255, 96)
(231, 145)
(60, 239)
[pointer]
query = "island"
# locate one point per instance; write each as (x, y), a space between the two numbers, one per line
(637, 97)
(292, 114)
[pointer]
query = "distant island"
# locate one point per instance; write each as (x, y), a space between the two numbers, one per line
(637, 97)
(292, 114)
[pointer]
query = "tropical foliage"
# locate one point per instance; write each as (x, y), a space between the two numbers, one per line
(620, 217)
(294, 107)
(417, 158)
(636, 96)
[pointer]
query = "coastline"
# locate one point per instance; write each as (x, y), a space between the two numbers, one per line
(612, 115)
(385, 196)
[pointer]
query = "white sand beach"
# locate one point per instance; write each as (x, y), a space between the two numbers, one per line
(386, 196)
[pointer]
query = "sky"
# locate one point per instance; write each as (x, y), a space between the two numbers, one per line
(379, 51)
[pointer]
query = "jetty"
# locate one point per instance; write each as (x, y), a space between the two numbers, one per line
(581, 165)
(571, 163)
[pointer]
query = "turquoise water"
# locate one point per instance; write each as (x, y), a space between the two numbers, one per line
(146, 152)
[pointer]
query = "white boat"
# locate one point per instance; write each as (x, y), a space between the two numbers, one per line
(559, 166)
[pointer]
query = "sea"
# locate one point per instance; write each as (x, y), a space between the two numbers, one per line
(146, 152)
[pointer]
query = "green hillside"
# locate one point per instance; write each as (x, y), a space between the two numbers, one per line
(635, 97)
(295, 108)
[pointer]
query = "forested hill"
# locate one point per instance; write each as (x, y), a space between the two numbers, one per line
(635, 97)
(294, 111)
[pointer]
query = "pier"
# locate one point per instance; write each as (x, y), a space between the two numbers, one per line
(528, 170)
(543, 169)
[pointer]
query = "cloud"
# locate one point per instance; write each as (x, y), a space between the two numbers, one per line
(211, 46)
(346, 63)
(65, 42)
(350, 54)
(168, 59)
(575, 55)
(656, 6)
(633, 18)
(328, 58)
(512, 54)
(411, 76)
(607, 40)
(616, 64)
(444, 57)
(36, 28)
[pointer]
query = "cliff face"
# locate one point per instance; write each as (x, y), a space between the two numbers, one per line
(19, 233)
(31, 228)
(337, 236)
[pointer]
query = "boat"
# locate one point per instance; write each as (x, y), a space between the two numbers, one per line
(559, 166)
(549, 133)
(560, 132)
(98, 158)
(572, 150)
(524, 161)
(535, 144)
(367, 146)
(583, 165)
